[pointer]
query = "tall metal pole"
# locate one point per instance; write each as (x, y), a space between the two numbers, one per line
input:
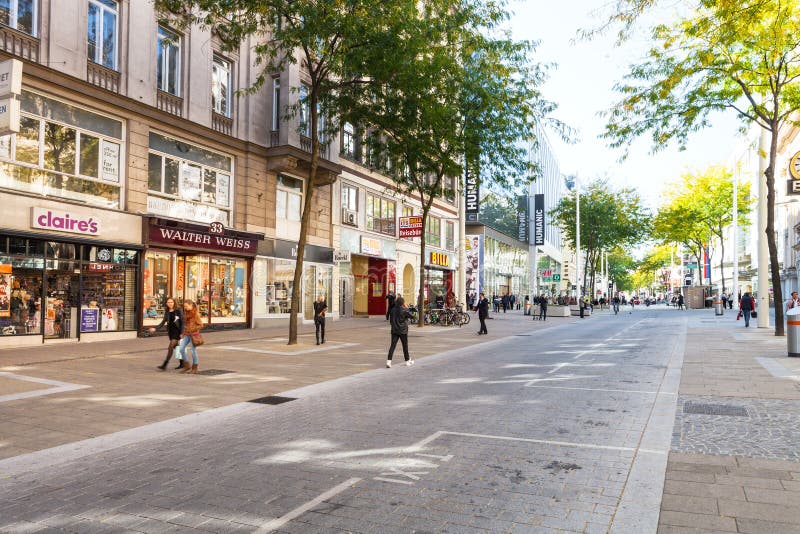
(735, 231)
(578, 238)
(462, 254)
(763, 251)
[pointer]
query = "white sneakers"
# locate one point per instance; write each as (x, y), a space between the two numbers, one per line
(409, 363)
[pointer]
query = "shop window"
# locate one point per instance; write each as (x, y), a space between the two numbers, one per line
(380, 215)
(157, 286)
(450, 235)
(102, 33)
(278, 294)
(221, 86)
(168, 72)
(54, 155)
(20, 292)
(433, 231)
(229, 290)
(188, 182)
(19, 14)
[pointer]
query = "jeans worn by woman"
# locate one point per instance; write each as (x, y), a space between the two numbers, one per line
(187, 340)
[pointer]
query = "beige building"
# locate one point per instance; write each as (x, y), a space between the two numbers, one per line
(137, 174)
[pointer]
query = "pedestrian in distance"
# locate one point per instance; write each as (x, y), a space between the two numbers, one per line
(191, 328)
(542, 308)
(680, 301)
(615, 302)
(173, 319)
(320, 307)
(483, 313)
(398, 320)
(390, 298)
(633, 305)
(793, 302)
(747, 304)
(724, 298)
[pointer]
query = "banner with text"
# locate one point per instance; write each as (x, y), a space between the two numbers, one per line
(538, 220)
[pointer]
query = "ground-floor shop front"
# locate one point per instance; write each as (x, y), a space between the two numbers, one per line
(273, 280)
(207, 264)
(439, 279)
(71, 275)
(367, 273)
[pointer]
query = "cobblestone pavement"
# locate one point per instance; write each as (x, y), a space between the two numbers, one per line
(564, 429)
(735, 460)
(756, 428)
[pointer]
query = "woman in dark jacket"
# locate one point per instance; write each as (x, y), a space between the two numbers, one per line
(398, 318)
(173, 318)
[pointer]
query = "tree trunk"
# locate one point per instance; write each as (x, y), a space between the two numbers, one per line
(771, 242)
(305, 218)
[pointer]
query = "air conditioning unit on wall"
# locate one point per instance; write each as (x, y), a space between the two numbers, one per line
(349, 217)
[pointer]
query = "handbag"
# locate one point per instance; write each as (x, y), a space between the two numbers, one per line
(739, 315)
(176, 353)
(197, 339)
(754, 314)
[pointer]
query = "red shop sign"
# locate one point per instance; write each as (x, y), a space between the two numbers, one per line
(183, 237)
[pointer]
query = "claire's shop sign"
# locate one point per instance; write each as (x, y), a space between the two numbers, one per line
(74, 222)
(203, 240)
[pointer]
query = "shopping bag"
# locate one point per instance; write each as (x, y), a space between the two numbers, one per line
(197, 339)
(739, 315)
(754, 314)
(176, 353)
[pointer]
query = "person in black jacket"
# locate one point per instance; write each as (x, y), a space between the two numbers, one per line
(483, 313)
(542, 308)
(390, 298)
(320, 307)
(399, 321)
(173, 318)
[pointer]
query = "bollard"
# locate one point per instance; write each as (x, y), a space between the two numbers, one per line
(718, 309)
(793, 332)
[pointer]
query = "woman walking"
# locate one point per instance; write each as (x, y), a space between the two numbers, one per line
(398, 319)
(173, 318)
(191, 328)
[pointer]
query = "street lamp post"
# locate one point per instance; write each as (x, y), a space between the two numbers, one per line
(578, 238)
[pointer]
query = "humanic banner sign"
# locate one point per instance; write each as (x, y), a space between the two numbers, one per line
(538, 220)
(471, 193)
(522, 218)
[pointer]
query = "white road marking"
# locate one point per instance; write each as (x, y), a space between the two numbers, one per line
(60, 387)
(603, 389)
(776, 369)
(275, 524)
(330, 346)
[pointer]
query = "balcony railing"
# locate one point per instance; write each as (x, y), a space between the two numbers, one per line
(222, 123)
(19, 44)
(324, 148)
(102, 76)
(170, 103)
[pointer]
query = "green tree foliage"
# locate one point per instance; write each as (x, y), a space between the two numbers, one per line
(621, 266)
(654, 267)
(500, 213)
(609, 218)
(727, 54)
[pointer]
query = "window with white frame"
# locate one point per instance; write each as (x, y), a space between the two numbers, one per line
(380, 215)
(63, 151)
(276, 104)
(304, 126)
(221, 86)
(433, 231)
(449, 188)
(19, 14)
(349, 197)
(408, 211)
(449, 235)
(102, 33)
(289, 198)
(169, 61)
(187, 181)
(348, 140)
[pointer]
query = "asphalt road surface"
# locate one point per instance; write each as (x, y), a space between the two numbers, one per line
(566, 429)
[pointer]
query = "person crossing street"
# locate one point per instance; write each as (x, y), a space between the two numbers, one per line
(398, 319)
(483, 313)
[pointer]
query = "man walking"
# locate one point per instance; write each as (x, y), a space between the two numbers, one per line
(615, 302)
(320, 307)
(483, 313)
(398, 319)
(747, 305)
(542, 308)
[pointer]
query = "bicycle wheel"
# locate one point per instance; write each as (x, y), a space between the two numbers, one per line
(464, 318)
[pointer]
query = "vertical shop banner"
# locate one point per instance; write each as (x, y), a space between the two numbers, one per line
(5, 289)
(538, 220)
(472, 194)
(473, 244)
(191, 182)
(522, 218)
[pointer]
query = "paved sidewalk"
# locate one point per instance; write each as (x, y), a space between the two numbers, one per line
(735, 459)
(58, 394)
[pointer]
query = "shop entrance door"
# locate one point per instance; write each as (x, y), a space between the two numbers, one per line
(193, 283)
(62, 305)
(345, 297)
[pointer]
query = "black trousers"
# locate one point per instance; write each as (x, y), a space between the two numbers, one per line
(404, 340)
(319, 323)
(388, 311)
(172, 344)
(542, 314)
(483, 325)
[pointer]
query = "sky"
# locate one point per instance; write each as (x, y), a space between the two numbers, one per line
(581, 84)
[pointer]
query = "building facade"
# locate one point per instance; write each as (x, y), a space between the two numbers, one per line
(137, 174)
(497, 264)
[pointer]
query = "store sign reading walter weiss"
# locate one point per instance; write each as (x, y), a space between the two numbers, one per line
(204, 240)
(71, 221)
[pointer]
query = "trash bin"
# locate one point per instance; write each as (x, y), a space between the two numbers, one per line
(718, 309)
(793, 332)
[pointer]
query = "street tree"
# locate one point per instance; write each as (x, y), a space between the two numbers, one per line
(499, 212)
(655, 266)
(609, 218)
(447, 98)
(739, 55)
(620, 269)
(315, 35)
